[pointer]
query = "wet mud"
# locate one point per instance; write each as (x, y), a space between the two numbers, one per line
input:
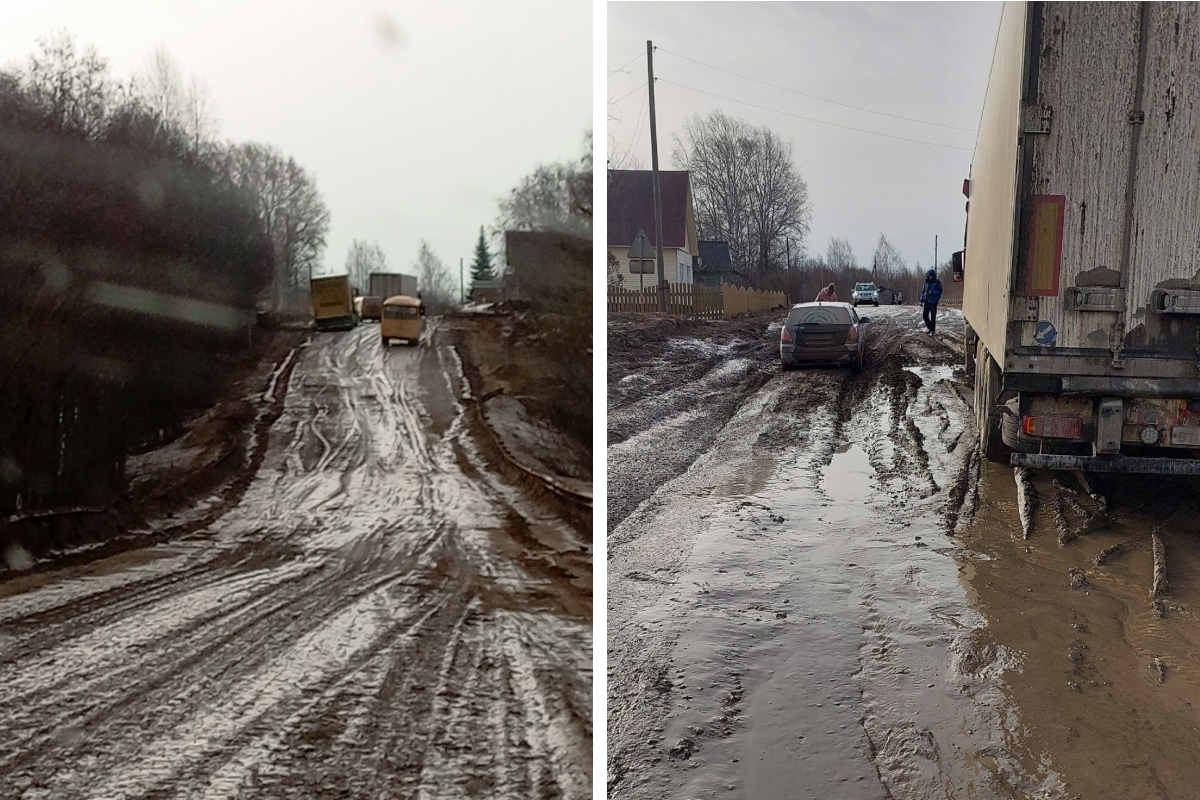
(834, 597)
(380, 614)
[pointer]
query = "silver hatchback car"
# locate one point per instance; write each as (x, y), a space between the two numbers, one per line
(822, 333)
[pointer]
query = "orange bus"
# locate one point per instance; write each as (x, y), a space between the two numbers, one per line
(402, 319)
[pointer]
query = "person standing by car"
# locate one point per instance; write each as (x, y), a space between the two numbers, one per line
(931, 293)
(827, 295)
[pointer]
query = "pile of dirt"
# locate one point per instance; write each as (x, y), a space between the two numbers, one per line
(214, 454)
(531, 377)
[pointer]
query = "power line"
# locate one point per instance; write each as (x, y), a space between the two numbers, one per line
(622, 97)
(818, 121)
(637, 130)
(626, 64)
(815, 97)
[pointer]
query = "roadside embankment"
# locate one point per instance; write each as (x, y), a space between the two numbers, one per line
(178, 487)
(530, 378)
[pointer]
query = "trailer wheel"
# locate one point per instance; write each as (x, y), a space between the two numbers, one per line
(987, 391)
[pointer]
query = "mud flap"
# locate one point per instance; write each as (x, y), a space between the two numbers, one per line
(1117, 463)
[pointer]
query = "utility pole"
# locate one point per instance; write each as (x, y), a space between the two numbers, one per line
(787, 240)
(658, 234)
(462, 289)
(935, 252)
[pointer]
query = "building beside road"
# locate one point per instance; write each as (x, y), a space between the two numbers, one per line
(631, 208)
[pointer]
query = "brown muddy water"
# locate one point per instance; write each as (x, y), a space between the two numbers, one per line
(834, 599)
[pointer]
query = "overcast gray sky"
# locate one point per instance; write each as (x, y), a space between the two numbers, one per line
(408, 142)
(927, 61)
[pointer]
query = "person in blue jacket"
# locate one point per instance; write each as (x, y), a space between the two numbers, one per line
(931, 293)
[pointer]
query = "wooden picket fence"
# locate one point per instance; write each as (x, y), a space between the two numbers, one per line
(695, 300)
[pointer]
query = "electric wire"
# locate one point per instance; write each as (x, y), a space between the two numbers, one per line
(812, 119)
(622, 97)
(815, 97)
(626, 64)
(637, 131)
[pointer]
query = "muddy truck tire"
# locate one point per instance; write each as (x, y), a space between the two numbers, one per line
(987, 392)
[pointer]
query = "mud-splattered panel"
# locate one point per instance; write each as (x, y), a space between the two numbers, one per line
(1166, 220)
(1087, 75)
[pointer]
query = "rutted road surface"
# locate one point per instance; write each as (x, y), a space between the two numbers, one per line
(829, 595)
(380, 616)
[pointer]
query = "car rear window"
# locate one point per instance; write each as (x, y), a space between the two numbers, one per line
(819, 315)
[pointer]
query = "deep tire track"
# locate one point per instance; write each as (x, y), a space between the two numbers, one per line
(366, 617)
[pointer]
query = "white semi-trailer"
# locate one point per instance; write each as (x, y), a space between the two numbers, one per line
(1082, 261)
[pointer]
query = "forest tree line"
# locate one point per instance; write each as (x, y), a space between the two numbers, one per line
(134, 246)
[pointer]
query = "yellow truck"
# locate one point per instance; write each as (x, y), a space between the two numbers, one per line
(333, 303)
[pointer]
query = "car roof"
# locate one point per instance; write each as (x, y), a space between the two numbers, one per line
(402, 300)
(815, 304)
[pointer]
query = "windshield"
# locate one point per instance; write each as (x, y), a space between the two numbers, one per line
(819, 315)
(865, 287)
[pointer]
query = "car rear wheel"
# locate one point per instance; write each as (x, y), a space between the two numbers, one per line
(785, 366)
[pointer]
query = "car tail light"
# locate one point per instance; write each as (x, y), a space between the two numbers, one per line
(784, 335)
(852, 336)
(1053, 427)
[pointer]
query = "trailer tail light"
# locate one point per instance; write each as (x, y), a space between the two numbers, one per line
(784, 335)
(852, 334)
(1053, 427)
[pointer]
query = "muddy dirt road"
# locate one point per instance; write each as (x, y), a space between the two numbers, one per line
(823, 593)
(379, 616)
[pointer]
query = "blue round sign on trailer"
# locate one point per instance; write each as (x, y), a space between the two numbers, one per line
(1045, 334)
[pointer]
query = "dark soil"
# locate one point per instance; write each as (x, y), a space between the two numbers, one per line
(229, 441)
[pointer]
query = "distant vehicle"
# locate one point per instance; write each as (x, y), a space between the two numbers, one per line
(402, 319)
(333, 304)
(391, 284)
(368, 307)
(864, 293)
(890, 297)
(1079, 277)
(816, 333)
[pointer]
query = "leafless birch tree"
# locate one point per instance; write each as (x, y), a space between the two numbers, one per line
(746, 189)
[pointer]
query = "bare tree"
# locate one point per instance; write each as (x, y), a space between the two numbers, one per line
(615, 278)
(362, 259)
(289, 206)
(70, 86)
(435, 282)
(746, 189)
(840, 255)
(555, 197)
(890, 267)
(186, 107)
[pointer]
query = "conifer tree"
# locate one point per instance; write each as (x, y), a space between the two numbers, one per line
(481, 269)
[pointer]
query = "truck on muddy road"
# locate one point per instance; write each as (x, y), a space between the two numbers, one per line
(333, 303)
(1081, 270)
(391, 284)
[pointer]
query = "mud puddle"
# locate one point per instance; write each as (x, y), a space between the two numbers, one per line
(794, 617)
(1107, 689)
(820, 642)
